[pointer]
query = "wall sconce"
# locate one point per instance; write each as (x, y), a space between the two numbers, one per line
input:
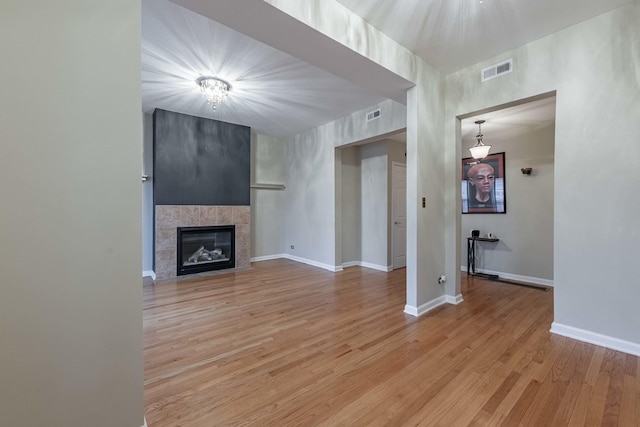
(526, 171)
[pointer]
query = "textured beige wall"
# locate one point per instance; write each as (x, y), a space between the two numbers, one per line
(70, 219)
(374, 202)
(267, 205)
(426, 153)
(351, 209)
(313, 197)
(147, 194)
(595, 69)
(526, 230)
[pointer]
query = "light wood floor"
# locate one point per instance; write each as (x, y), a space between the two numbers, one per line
(286, 344)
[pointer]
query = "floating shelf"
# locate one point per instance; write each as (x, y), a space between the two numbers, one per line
(268, 186)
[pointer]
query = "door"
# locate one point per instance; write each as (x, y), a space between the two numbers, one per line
(399, 214)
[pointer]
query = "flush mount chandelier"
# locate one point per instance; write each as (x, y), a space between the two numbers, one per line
(214, 90)
(479, 151)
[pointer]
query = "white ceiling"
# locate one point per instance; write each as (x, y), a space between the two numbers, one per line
(511, 121)
(454, 34)
(272, 92)
(505, 122)
(282, 94)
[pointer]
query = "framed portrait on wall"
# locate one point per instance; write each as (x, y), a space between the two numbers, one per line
(483, 185)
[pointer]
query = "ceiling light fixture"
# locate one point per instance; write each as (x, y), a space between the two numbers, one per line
(479, 151)
(214, 90)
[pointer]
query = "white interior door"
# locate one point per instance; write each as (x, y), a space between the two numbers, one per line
(399, 214)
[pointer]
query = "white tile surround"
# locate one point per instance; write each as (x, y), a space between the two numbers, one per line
(169, 217)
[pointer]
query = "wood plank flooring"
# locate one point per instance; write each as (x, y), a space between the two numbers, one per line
(285, 344)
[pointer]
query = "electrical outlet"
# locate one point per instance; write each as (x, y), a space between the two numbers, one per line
(442, 279)
(292, 247)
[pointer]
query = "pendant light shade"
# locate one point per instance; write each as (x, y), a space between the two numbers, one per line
(479, 151)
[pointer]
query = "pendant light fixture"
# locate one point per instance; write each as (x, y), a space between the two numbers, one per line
(479, 151)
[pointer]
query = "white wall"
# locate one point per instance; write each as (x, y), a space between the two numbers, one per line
(311, 200)
(147, 194)
(351, 194)
(374, 203)
(70, 220)
(425, 139)
(593, 66)
(526, 229)
(366, 201)
(267, 205)
(595, 69)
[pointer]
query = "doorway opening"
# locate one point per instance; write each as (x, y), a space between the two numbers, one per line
(515, 243)
(366, 233)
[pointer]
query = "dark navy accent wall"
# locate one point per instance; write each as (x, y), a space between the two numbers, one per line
(200, 161)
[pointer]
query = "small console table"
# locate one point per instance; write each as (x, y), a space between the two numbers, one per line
(471, 257)
(471, 265)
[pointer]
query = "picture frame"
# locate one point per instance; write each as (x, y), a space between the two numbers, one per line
(484, 185)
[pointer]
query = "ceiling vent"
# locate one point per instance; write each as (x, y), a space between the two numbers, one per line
(497, 70)
(373, 115)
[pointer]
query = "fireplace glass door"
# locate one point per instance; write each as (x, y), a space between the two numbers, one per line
(205, 248)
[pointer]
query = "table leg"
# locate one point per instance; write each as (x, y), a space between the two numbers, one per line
(471, 268)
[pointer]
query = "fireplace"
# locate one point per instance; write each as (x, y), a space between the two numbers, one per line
(205, 248)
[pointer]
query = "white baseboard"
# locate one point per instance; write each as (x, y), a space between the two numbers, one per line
(454, 300)
(149, 273)
(516, 277)
(267, 257)
(434, 303)
(386, 269)
(426, 307)
(334, 268)
(595, 338)
(351, 264)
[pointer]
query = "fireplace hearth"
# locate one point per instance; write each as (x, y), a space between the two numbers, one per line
(205, 248)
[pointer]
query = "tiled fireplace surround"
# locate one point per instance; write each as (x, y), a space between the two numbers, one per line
(169, 217)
